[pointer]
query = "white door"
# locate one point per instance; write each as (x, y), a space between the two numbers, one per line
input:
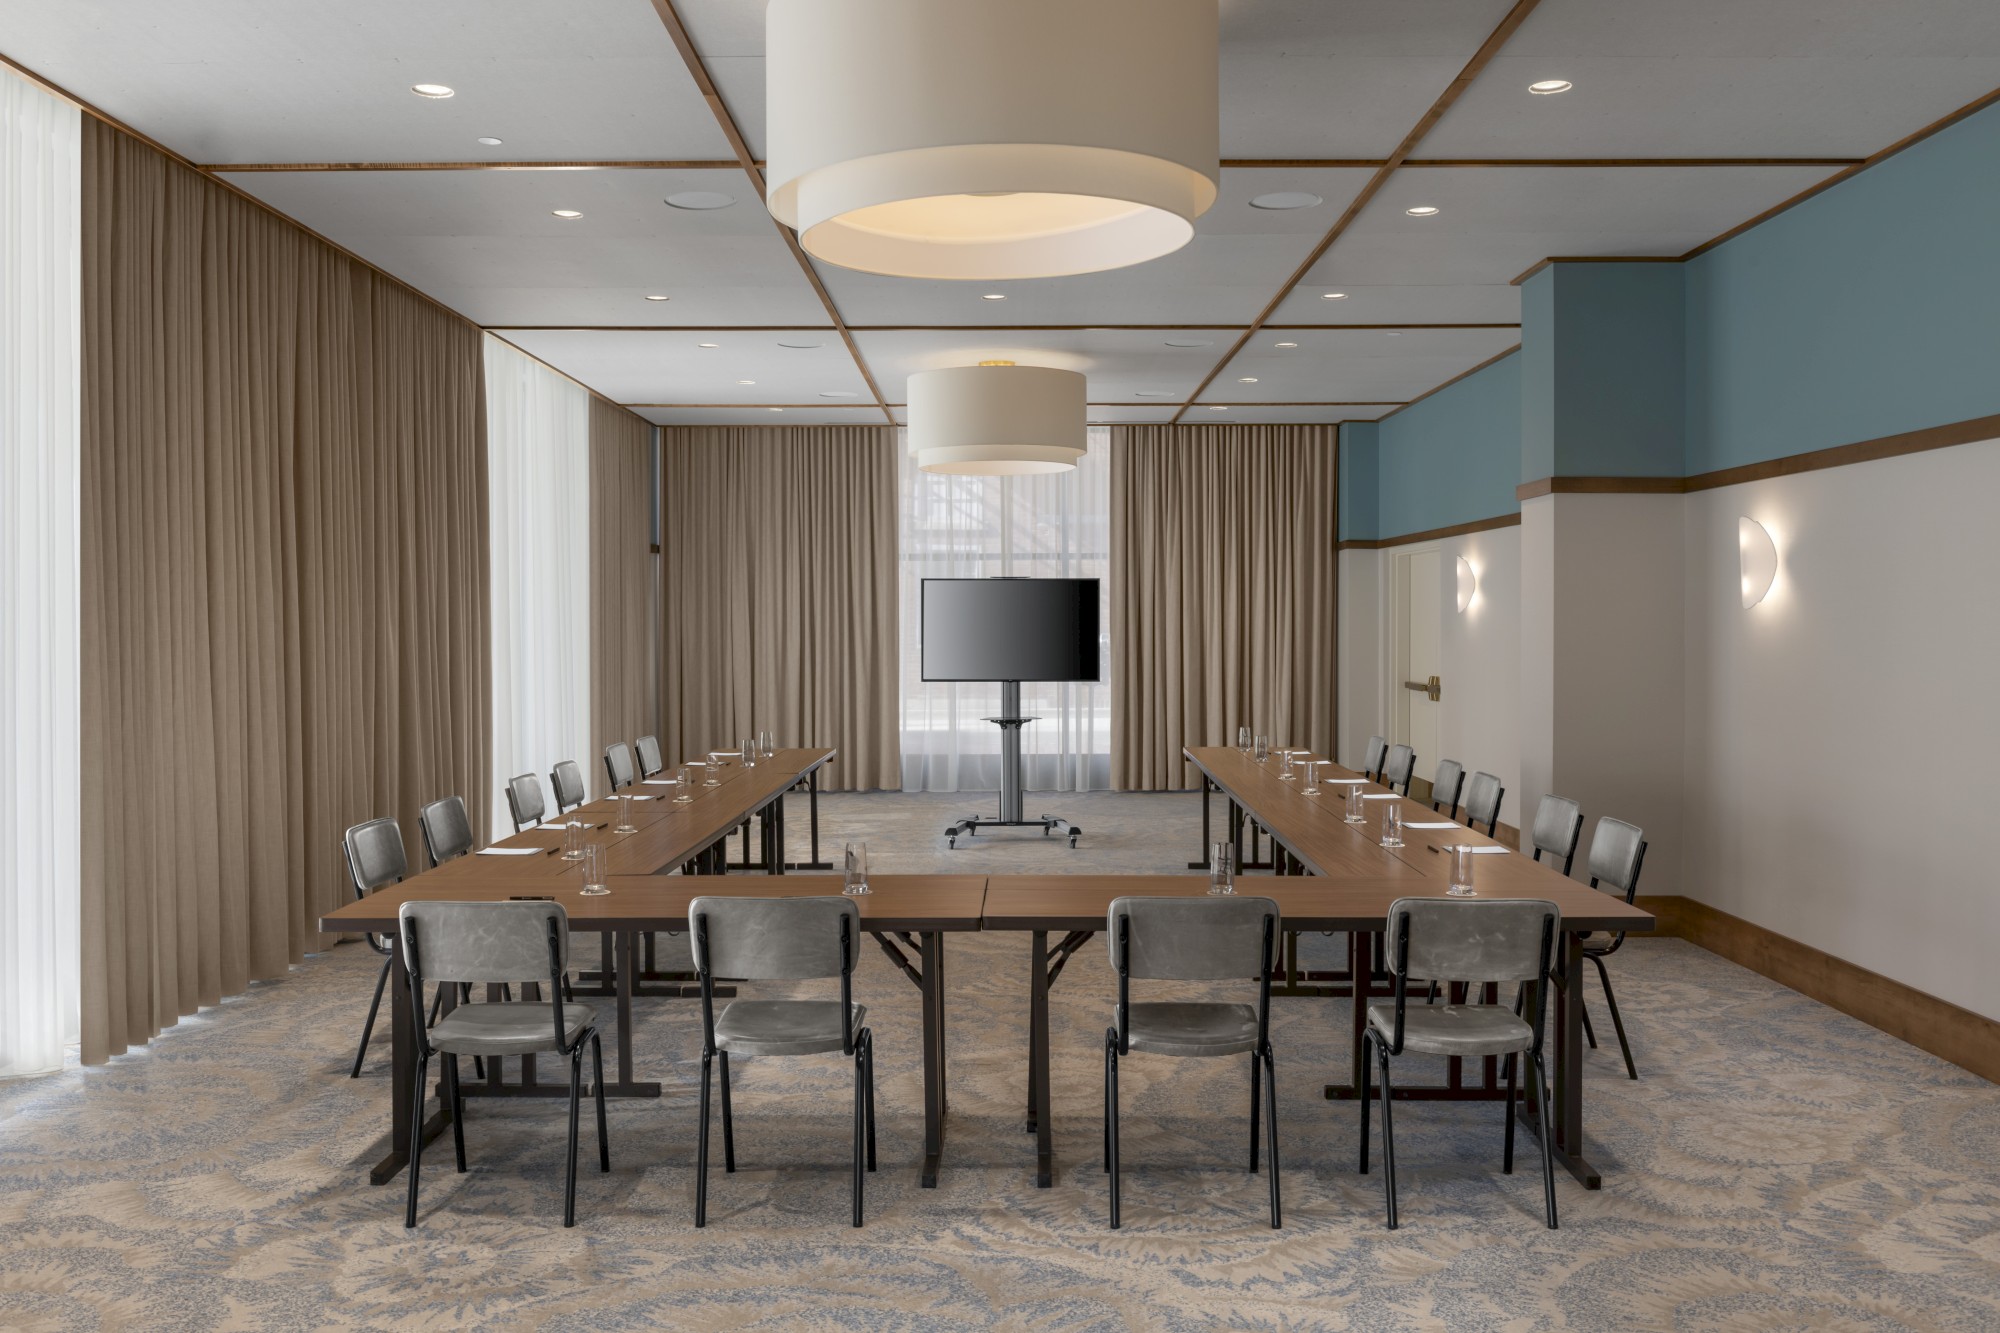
(1420, 721)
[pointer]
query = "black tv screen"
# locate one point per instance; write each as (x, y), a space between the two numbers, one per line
(1010, 629)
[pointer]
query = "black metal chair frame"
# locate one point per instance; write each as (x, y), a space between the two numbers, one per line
(1597, 953)
(380, 944)
(1117, 1043)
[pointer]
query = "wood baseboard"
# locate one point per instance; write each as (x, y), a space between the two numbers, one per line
(1970, 1041)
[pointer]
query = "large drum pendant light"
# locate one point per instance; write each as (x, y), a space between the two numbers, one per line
(997, 419)
(991, 138)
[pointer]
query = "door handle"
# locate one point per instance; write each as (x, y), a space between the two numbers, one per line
(1432, 687)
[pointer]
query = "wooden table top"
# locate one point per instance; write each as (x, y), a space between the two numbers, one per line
(660, 902)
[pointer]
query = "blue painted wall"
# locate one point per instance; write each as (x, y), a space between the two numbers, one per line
(1453, 458)
(1360, 482)
(1868, 310)
(1603, 388)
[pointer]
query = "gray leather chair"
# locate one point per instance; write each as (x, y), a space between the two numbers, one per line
(780, 939)
(1399, 768)
(524, 800)
(618, 766)
(1483, 793)
(1371, 762)
(1558, 825)
(1447, 782)
(447, 832)
(462, 943)
(1617, 851)
(566, 781)
(375, 857)
(1193, 939)
(650, 763)
(1475, 941)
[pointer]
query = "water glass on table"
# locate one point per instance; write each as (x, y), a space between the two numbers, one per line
(1313, 767)
(766, 747)
(573, 838)
(712, 775)
(1462, 861)
(749, 752)
(684, 784)
(1221, 869)
(594, 885)
(1392, 824)
(625, 824)
(1243, 739)
(1357, 805)
(1260, 747)
(856, 870)
(1285, 766)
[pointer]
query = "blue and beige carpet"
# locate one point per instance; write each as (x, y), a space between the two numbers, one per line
(1778, 1166)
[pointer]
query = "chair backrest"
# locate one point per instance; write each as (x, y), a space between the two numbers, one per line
(1399, 767)
(502, 942)
(375, 855)
(1446, 783)
(566, 780)
(447, 832)
(524, 800)
(649, 756)
(1617, 850)
(618, 764)
(1378, 749)
(774, 939)
(1558, 824)
(1471, 939)
(1192, 939)
(1482, 801)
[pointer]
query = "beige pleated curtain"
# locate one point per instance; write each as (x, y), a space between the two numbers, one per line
(284, 582)
(1223, 578)
(624, 690)
(778, 593)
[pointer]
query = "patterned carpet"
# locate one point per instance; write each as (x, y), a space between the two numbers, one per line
(1778, 1166)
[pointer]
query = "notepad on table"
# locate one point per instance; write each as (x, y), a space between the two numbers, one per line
(1443, 824)
(513, 851)
(1350, 782)
(659, 782)
(1486, 851)
(631, 797)
(1380, 796)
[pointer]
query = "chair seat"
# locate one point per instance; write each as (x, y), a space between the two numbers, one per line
(782, 1027)
(1191, 1029)
(520, 1027)
(1454, 1029)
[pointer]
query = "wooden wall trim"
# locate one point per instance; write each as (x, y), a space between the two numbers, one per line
(1531, 490)
(1435, 534)
(1970, 1041)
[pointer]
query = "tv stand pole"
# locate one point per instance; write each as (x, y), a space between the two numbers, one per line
(1010, 723)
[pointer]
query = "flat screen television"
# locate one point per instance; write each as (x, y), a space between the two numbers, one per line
(1010, 629)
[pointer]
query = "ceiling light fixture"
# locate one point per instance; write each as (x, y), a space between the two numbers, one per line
(1284, 200)
(1333, 296)
(746, 381)
(800, 347)
(1288, 344)
(1422, 211)
(777, 409)
(1151, 393)
(1246, 379)
(1044, 138)
(700, 201)
(1549, 86)
(839, 393)
(997, 419)
(1218, 409)
(489, 141)
(708, 344)
(659, 298)
(1189, 342)
(437, 92)
(566, 214)
(994, 296)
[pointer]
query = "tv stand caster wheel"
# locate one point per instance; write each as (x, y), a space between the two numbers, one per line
(952, 844)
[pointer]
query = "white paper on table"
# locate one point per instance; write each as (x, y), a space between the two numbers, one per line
(630, 796)
(1351, 782)
(513, 851)
(585, 827)
(1446, 824)
(1380, 796)
(657, 782)
(1485, 851)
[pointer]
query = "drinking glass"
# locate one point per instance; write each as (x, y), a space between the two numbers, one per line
(1243, 739)
(749, 752)
(1461, 871)
(1260, 747)
(1357, 809)
(1285, 766)
(684, 785)
(1221, 869)
(1313, 767)
(593, 872)
(573, 838)
(765, 745)
(712, 775)
(625, 824)
(1392, 824)
(857, 870)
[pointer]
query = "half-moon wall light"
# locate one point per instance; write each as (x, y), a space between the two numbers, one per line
(1759, 557)
(1468, 584)
(970, 139)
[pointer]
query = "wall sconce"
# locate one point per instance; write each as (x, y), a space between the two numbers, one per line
(1468, 584)
(1759, 555)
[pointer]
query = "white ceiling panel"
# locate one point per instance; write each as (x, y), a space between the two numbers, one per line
(1493, 223)
(1355, 365)
(1404, 303)
(1697, 78)
(486, 243)
(254, 81)
(1121, 365)
(1240, 256)
(673, 366)
(1103, 415)
(871, 415)
(1271, 415)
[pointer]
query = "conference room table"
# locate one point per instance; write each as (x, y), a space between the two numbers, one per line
(1337, 877)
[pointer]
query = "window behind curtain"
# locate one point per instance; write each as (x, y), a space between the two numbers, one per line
(1056, 526)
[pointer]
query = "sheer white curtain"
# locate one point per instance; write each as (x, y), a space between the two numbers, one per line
(40, 290)
(538, 489)
(1056, 526)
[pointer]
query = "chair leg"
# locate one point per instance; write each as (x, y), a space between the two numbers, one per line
(728, 1122)
(575, 1108)
(860, 1106)
(1507, 1154)
(368, 1028)
(868, 1077)
(416, 1137)
(1256, 1071)
(1111, 1114)
(1271, 1115)
(1540, 1078)
(597, 1075)
(457, 1109)
(1367, 1065)
(1388, 1135)
(1617, 1022)
(701, 1150)
(1589, 1034)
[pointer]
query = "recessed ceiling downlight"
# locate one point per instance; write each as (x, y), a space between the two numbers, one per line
(488, 141)
(993, 296)
(1151, 393)
(1422, 211)
(437, 92)
(799, 346)
(1246, 379)
(839, 393)
(746, 381)
(708, 344)
(1282, 200)
(659, 298)
(1287, 344)
(1546, 87)
(1218, 409)
(700, 201)
(1333, 296)
(1189, 342)
(566, 214)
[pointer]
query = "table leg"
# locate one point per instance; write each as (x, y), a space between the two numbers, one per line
(1206, 787)
(934, 1064)
(774, 836)
(403, 1075)
(1038, 1059)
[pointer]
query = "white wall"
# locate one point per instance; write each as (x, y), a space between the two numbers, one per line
(1840, 738)
(1359, 642)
